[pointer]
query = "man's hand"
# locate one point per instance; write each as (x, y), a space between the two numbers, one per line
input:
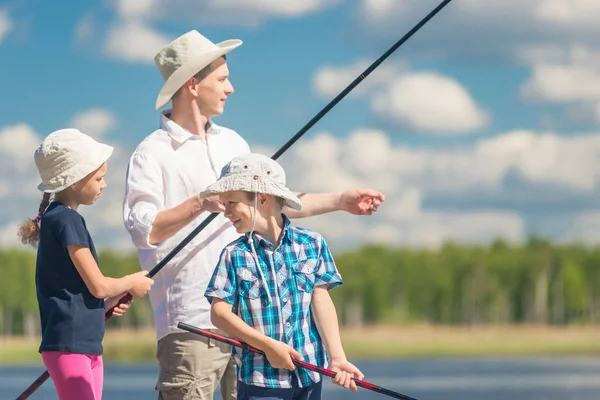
(361, 201)
(345, 371)
(212, 204)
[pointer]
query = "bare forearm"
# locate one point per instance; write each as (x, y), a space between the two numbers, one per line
(315, 204)
(234, 326)
(110, 287)
(168, 222)
(327, 323)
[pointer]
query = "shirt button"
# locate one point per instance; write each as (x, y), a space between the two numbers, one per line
(285, 299)
(287, 324)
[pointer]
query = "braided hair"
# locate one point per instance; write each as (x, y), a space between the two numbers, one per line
(29, 232)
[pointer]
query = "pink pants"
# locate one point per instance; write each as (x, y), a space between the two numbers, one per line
(75, 376)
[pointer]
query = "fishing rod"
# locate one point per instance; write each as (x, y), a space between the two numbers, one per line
(127, 298)
(310, 367)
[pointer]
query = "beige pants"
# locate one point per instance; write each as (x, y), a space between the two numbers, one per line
(191, 367)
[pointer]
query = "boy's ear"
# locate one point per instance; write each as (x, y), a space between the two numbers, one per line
(262, 198)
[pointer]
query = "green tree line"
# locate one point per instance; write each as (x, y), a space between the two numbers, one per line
(536, 282)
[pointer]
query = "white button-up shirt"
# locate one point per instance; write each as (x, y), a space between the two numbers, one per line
(167, 168)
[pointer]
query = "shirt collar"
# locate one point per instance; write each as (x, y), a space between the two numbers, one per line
(179, 134)
(286, 237)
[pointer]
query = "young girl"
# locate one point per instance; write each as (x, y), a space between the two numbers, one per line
(73, 294)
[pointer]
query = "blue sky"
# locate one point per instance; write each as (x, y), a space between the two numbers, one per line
(483, 125)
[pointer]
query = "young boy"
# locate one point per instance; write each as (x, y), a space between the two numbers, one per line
(270, 287)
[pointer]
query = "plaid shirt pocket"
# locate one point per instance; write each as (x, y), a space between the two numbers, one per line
(250, 284)
(304, 274)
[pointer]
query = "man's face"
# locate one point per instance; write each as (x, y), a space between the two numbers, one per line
(212, 91)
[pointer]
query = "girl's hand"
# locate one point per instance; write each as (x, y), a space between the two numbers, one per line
(111, 304)
(141, 284)
(119, 310)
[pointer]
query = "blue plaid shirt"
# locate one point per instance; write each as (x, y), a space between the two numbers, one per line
(292, 270)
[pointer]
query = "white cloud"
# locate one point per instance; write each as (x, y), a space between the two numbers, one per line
(366, 157)
(583, 227)
(18, 186)
(555, 38)
(410, 177)
(568, 76)
(425, 101)
(6, 24)
(84, 29)
(569, 12)
(95, 122)
(329, 80)
(566, 15)
(403, 222)
(135, 8)
(431, 102)
(134, 41)
(564, 83)
(415, 181)
(222, 12)
(133, 36)
(9, 234)
(432, 229)
(380, 9)
(17, 145)
(4, 188)
(481, 27)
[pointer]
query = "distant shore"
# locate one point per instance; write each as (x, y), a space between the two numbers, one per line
(376, 342)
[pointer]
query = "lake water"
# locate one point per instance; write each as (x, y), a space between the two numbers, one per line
(564, 378)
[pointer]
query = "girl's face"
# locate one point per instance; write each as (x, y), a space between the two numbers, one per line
(90, 188)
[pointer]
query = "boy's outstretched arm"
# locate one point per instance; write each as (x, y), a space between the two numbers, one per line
(278, 353)
(326, 320)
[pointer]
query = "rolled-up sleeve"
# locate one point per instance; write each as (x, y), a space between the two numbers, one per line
(144, 198)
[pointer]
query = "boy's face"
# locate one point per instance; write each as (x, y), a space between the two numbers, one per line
(239, 207)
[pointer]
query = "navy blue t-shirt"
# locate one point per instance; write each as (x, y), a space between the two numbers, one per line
(72, 319)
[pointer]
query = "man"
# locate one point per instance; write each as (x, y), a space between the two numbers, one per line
(166, 173)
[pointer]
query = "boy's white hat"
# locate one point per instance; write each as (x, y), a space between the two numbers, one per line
(184, 57)
(254, 173)
(66, 156)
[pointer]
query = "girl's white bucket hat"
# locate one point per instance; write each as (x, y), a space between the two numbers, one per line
(184, 57)
(254, 173)
(67, 156)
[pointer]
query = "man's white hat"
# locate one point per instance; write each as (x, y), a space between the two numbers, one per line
(255, 173)
(184, 57)
(67, 156)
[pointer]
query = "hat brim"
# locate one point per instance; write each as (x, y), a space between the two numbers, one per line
(190, 68)
(105, 153)
(247, 183)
